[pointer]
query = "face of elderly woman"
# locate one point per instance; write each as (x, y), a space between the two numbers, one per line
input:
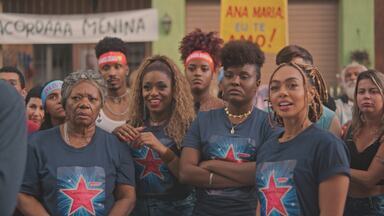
(83, 104)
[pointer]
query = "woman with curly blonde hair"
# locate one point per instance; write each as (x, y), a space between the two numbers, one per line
(157, 123)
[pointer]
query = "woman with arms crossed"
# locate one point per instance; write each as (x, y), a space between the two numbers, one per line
(364, 139)
(219, 150)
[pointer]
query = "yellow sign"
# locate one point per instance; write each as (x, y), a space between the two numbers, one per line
(264, 22)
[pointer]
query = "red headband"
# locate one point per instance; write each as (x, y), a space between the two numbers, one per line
(201, 56)
(112, 58)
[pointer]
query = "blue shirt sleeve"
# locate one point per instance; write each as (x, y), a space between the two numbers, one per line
(30, 183)
(125, 170)
(326, 118)
(13, 146)
(332, 159)
(193, 138)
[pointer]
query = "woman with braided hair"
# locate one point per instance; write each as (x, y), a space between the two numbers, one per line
(200, 55)
(157, 122)
(304, 169)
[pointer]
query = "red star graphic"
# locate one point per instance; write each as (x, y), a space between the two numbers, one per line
(81, 197)
(150, 164)
(231, 156)
(274, 195)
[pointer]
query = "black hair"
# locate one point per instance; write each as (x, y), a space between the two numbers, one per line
(290, 52)
(237, 53)
(108, 44)
(11, 69)
(199, 40)
(34, 92)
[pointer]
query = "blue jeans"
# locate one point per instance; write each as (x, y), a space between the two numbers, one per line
(157, 207)
(368, 206)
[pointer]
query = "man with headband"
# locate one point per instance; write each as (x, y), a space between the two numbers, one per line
(344, 104)
(112, 61)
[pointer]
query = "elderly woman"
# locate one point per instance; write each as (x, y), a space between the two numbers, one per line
(77, 168)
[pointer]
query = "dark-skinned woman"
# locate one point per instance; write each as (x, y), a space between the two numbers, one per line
(158, 121)
(77, 168)
(219, 150)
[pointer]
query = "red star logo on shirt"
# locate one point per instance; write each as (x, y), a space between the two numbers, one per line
(81, 197)
(150, 164)
(231, 155)
(274, 195)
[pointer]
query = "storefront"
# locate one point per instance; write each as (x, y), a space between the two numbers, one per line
(45, 61)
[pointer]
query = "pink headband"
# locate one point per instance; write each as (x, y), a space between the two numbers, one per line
(112, 58)
(201, 56)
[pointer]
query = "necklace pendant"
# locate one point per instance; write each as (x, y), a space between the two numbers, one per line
(232, 130)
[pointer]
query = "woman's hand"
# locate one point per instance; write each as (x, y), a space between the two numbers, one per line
(150, 140)
(127, 133)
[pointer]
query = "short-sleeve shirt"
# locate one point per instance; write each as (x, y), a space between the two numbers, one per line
(211, 134)
(326, 118)
(288, 174)
(153, 178)
(76, 181)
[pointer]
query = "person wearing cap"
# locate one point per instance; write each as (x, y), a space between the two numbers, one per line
(51, 100)
(200, 54)
(111, 53)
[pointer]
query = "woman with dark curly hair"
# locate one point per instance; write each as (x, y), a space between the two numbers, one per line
(200, 55)
(304, 169)
(219, 150)
(157, 123)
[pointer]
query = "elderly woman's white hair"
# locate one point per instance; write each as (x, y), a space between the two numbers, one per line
(351, 65)
(74, 78)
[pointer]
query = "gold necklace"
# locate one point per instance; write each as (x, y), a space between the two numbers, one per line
(116, 113)
(119, 98)
(66, 137)
(241, 116)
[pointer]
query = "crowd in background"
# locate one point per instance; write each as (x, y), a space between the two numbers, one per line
(206, 139)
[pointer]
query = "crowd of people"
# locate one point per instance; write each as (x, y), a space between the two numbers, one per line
(205, 140)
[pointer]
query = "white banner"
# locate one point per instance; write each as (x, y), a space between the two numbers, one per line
(131, 26)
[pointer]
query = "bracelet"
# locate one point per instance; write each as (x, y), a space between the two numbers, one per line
(168, 156)
(380, 158)
(210, 178)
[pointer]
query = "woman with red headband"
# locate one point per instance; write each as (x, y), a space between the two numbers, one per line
(200, 54)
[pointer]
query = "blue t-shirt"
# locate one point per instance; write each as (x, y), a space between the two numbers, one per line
(326, 118)
(210, 134)
(71, 181)
(288, 174)
(153, 178)
(13, 145)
